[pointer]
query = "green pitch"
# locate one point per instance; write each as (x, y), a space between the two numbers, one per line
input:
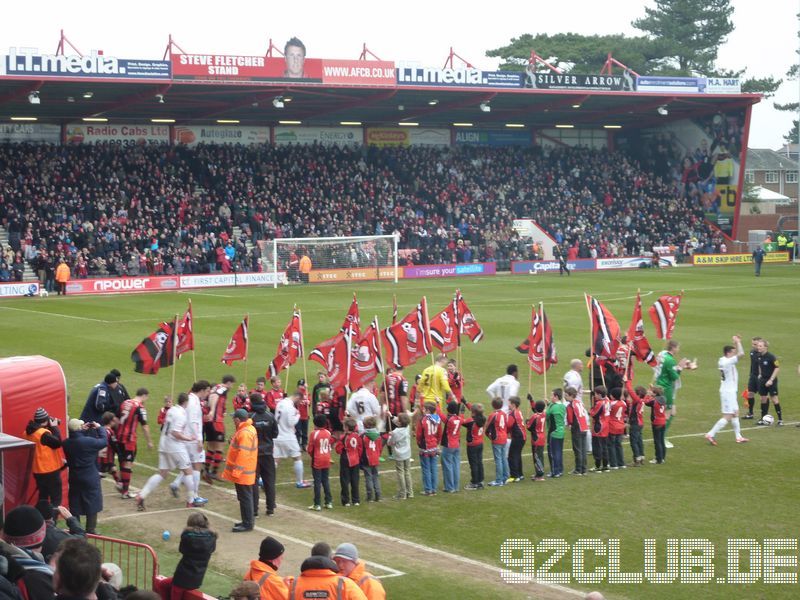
(731, 491)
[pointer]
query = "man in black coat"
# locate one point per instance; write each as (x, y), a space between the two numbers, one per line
(267, 431)
(81, 448)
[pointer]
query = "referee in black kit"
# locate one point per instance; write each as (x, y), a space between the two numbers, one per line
(768, 369)
(752, 382)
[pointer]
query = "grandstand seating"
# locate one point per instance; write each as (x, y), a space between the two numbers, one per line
(112, 210)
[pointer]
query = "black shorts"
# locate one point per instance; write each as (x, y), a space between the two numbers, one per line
(126, 455)
(212, 435)
(752, 384)
(763, 390)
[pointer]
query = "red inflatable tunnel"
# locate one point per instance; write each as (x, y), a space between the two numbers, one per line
(19, 377)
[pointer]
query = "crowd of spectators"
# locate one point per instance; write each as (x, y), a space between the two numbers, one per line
(110, 210)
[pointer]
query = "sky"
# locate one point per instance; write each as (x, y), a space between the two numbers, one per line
(764, 40)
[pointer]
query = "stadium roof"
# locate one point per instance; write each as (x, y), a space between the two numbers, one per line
(192, 102)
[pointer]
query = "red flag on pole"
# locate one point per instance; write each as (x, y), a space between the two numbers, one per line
(352, 321)
(332, 354)
(289, 348)
(156, 350)
(467, 324)
(444, 328)
(539, 344)
(605, 331)
(637, 339)
(365, 360)
(409, 339)
(185, 333)
(663, 313)
(237, 347)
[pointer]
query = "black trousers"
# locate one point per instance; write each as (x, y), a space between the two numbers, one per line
(49, 486)
(266, 470)
(538, 460)
(244, 493)
(475, 458)
(616, 455)
(600, 452)
(515, 457)
(658, 441)
(348, 478)
(637, 445)
(322, 483)
(579, 450)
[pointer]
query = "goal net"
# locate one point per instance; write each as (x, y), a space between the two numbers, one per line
(313, 260)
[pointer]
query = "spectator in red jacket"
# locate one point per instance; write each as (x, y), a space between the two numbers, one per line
(518, 434)
(636, 400)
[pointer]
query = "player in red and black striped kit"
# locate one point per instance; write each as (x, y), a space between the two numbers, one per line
(214, 427)
(456, 380)
(275, 394)
(106, 460)
(131, 413)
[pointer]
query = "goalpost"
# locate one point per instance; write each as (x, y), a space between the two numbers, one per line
(365, 258)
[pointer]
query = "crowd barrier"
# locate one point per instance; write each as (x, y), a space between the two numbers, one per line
(138, 562)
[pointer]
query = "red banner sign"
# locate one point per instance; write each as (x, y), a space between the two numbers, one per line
(122, 285)
(261, 68)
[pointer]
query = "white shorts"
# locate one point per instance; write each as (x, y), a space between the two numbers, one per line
(286, 448)
(173, 460)
(729, 401)
(195, 455)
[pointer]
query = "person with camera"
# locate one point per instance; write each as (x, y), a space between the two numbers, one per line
(48, 458)
(81, 448)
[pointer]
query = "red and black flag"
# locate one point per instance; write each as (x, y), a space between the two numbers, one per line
(539, 345)
(237, 347)
(290, 347)
(352, 321)
(409, 339)
(637, 339)
(444, 329)
(467, 324)
(156, 350)
(663, 313)
(365, 357)
(605, 331)
(185, 334)
(334, 355)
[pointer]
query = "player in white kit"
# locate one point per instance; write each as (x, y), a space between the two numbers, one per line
(363, 404)
(172, 454)
(194, 417)
(285, 445)
(728, 392)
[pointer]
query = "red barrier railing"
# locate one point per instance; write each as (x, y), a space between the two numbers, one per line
(138, 562)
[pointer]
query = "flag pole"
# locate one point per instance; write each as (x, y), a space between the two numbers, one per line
(544, 347)
(247, 344)
(174, 355)
(428, 328)
(289, 366)
(591, 342)
(194, 361)
(383, 371)
(303, 348)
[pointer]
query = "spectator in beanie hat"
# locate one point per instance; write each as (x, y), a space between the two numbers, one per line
(264, 571)
(346, 558)
(24, 531)
(48, 458)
